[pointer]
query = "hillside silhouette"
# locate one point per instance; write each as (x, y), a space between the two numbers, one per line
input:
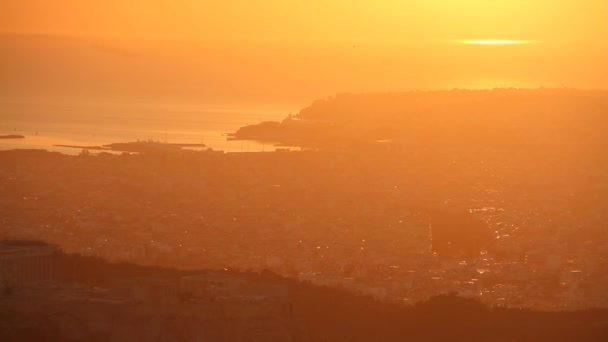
(318, 313)
(455, 118)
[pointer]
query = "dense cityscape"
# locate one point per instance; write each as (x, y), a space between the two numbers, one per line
(365, 221)
(303, 171)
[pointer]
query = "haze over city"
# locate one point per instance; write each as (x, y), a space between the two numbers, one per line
(303, 170)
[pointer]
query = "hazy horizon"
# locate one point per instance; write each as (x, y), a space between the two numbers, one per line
(277, 75)
(289, 170)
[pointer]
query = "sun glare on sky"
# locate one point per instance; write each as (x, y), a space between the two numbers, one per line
(494, 42)
(295, 50)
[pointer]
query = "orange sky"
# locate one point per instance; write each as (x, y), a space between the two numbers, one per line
(300, 50)
(315, 20)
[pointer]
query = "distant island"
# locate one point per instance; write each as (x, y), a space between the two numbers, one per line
(12, 136)
(137, 147)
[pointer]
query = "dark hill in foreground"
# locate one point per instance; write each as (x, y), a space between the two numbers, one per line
(315, 314)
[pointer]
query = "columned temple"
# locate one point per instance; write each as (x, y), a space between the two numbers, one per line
(26, 262)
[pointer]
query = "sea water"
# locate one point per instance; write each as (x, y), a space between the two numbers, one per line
(47, 125)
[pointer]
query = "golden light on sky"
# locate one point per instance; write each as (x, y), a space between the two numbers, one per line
(295, 50)
(313, 20)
